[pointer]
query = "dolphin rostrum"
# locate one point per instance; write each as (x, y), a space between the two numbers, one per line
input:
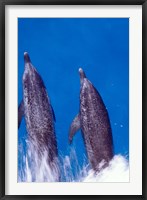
(38, 113)
(93, 120)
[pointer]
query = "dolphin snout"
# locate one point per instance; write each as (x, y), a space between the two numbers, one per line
(26, 57)
(82, 74)
(80, 70)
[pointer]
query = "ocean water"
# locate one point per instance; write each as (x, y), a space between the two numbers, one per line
(58, 47)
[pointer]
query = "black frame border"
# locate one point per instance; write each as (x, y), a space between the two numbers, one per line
(4, 3)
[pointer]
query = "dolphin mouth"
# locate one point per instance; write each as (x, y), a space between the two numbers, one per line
(82, 75)
(80, 70)
(26, 57)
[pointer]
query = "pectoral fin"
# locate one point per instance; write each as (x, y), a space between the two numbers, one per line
(75, 126)
(20, 112)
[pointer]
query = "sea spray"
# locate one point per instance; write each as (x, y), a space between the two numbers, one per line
(117, 171)
(36, 169)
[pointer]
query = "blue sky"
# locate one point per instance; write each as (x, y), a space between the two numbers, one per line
(58, 47)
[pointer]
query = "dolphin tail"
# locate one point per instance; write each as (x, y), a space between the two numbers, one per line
(20, 112)
(75, 126)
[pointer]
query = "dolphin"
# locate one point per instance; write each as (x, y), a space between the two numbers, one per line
(38, 113)
(93, 120)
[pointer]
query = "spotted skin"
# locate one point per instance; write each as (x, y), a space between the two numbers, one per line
(38, 113)
(94, 124)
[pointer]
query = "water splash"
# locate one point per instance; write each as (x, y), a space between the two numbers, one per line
(117, 171)
(36, 169)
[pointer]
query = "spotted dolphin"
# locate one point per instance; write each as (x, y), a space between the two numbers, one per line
(93, 120)
(38, 113)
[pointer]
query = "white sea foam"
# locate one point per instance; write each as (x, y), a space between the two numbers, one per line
(117, 171)
(36, 169)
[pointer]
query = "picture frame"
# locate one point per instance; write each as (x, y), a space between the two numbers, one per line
(3, 122)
